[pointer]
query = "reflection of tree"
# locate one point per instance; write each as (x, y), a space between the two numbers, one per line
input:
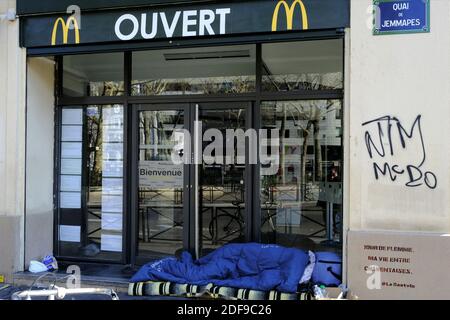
(227, 85)
(211, 85)
(313, 116)
(95, 128)
(152, 120)
(308, 81)
(153, 87)
(153, 134)
(242, 85)
(306, 117)
(106, 88)
(95, 150)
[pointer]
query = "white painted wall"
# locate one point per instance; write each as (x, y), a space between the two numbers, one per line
(39, 169)
(12, 142)
(402, 76)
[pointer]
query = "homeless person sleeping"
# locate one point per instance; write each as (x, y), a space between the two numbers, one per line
(240, 271)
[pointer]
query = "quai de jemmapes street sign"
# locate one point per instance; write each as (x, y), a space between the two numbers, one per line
(401, 16)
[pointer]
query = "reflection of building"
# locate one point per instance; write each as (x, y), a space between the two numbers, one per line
(71, 137)
(318, 122)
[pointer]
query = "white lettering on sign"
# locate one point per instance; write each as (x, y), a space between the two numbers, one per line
(160, 174)
(401, 23)
(169, 30)
(193, 23)
(400, 6)
(133, 33)
(189, 20)
(207, 17)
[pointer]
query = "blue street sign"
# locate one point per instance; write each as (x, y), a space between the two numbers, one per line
(401, 16)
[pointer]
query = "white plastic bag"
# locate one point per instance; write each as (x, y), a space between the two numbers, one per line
(36, 266)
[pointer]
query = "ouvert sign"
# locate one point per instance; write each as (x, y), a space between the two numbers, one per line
(181, 21)
(193, 23)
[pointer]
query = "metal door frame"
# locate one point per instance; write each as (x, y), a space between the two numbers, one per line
(191, 203)
(134, 179)
(196, 229)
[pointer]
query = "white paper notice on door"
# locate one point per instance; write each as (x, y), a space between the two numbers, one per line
(71, 183)
(112, 151)
(111, 242)
(71, 166)
(72, 133)
(112, 186)
(112, 168)
(72, 116)
(112, 221)
(69, 233)
(160, 174)
(71, 150)
(70, 200)
(112, 203)
(112, 134)
(113, 116)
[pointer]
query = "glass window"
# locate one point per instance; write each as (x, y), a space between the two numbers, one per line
(212, 70)
(160, 183)
(91, 182)
(303, 65)
(222, 179)
(301, 190)
(93, 75)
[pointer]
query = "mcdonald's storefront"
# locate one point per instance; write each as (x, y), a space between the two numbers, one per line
(107, 89)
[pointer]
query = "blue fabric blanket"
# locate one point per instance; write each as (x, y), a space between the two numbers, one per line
(250, 266)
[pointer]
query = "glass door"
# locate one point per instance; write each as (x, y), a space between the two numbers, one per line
(192, 175)
(221, 175)
(162, 205)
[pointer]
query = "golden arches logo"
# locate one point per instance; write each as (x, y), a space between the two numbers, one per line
(65, 29)
(289, 10)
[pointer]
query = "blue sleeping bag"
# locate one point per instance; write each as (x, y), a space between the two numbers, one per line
(328, 269)
(250, 266)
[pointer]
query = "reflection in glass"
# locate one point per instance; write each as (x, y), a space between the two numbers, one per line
(160, 183)
(94, 210)
(298, 201)
(304, 65)
(222, 182)
(105, 192)
(93, 75)
(213, 70)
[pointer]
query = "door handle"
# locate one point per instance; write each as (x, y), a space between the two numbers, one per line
(197, 148)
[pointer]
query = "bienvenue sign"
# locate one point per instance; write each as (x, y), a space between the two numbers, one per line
(160, 174)
(405, 16)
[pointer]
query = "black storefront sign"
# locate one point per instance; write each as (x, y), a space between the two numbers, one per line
(28, 7)
(181, 21)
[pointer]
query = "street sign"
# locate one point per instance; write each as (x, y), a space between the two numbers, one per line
(401, 16)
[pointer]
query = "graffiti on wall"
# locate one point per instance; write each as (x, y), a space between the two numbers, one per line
(398, 151)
